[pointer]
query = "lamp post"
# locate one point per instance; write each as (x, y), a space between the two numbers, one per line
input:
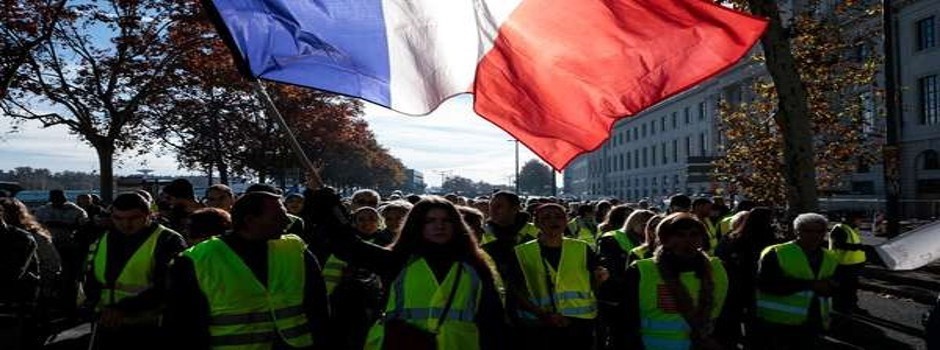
(517, 163)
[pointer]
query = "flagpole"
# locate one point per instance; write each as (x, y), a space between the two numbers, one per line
(295, 145)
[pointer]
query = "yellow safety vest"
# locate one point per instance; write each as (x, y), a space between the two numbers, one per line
(793, 309)
(135, 277)
(526, 233)
(244, 313)
(661, 324)
(573, 295)
(582, 231)
(724, 226)
(622, 240)
(417, 298)
(848, 257)
(333, 273)
(712, 231)
(642, 251)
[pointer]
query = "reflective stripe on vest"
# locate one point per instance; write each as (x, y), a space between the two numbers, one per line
(573, 294)
(793, 309)
(848, 257)
(661, 324)
(333, 273)
(253, 315)
(135, 277)
(417, 298)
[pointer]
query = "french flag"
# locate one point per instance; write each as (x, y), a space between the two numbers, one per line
(556, 74)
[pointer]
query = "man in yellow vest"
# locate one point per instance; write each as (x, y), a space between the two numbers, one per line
(794, 288)
(702, 209)
(846, 242)
(125, 282)
(254, 288)
(554, 283)
(584, 226)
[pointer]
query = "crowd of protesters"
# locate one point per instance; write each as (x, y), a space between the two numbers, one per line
(264, 270)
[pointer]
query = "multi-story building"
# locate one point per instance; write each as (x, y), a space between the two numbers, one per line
(414, 182)
(669, 147)
(917, 24)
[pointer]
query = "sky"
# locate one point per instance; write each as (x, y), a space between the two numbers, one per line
(452, 140)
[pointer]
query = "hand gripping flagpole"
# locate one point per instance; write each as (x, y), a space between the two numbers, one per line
(295, 145)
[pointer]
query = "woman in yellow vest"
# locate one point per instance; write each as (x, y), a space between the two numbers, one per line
(794, 288)
(740, 250)
(442, 286)
(554, 285)
(672, 300)
(650, 244)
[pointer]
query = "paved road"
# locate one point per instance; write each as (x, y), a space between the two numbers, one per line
(852, 334)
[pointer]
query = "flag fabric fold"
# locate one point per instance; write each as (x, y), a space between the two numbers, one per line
(555, 74)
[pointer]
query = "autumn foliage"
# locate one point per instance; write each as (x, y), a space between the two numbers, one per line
(837, 60)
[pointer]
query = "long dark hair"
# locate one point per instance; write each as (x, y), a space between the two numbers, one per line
(615, 219)
(462, 244)
(758, 229)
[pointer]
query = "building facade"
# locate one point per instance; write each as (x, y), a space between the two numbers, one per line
(917, 24)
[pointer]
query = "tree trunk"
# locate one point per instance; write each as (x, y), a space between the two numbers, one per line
(223, 173)
(105, 152)
(793, 115)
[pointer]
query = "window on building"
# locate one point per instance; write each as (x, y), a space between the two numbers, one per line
(862, 167)
(688, 146)
(645, 159)
(688, 115)
(636, 158)
(662, 150)
(653, 155)
(926, 33)
(653, 127)
(662, 123)
(702, 109)
(675, 117)
(703, 144)
(636, 134)
(627, 133)
(675, 151)
(928, 93)
(643, 133)
(931, 160)
(675, 182)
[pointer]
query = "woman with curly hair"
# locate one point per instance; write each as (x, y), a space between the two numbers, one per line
(16, 214)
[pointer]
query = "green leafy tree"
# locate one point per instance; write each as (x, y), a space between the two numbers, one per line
(535, 178)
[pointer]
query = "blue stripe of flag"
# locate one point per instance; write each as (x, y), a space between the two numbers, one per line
(332, 45)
